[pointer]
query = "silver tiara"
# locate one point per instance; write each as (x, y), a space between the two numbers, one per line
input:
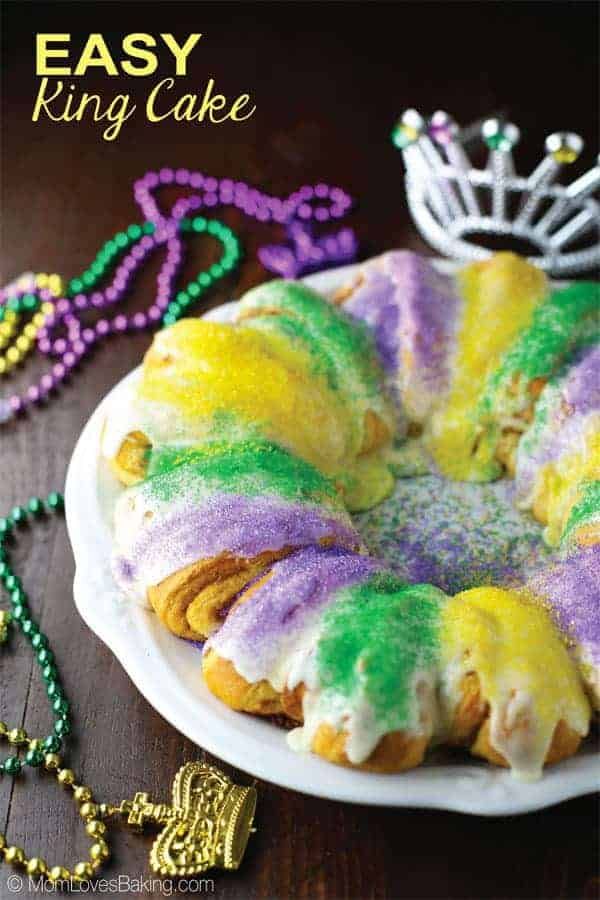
(451, 200)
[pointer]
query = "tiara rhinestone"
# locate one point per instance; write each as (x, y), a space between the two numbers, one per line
(564, 146)
(451, 200)
(500, 135)
(408, 129)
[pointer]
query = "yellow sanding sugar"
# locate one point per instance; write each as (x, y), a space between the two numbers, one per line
(558, 483)
(500, 296)
(203, 368)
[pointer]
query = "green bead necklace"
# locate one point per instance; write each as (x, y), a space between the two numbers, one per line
(42, 753)
(166, 308)
(116, 246)
(20, 614)
(27, 303)
(211, 818)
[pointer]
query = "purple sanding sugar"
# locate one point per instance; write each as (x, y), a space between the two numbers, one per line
(375, 303)
(241, 525)
(582, 385)
(572, 588)
(563, 441)
(256, 632)
(412, 310)
(564, 415)
(455, 535)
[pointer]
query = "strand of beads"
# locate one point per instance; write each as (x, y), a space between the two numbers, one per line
(40, 307)
(135, 245)
(35, 752)
(20, 615)
(19, 299)
(309, 205)
(9, 321)
(318, 204)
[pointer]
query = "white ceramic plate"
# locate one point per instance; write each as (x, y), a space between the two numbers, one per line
(167, 672)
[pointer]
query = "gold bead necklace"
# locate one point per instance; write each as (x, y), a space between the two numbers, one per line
(210, 818)
(15, 349)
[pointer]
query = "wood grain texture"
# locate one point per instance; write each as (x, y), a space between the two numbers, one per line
(328, 80)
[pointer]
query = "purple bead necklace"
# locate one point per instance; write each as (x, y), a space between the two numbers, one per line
(309, 205)
(67, 339)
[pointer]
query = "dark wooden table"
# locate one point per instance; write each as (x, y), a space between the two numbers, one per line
(328, 81)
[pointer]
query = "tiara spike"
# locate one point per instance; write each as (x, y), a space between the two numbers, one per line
(501, 138)
(580, 189)
(562, 148)
(444, 130)
(434, 158)
(407, 136)
(418, 174)
(450, 199)
(574, 228)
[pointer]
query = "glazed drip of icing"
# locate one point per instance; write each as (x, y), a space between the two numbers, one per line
(524, 670)
(340, 348)
(269, 635)
(218, 505)
(568, 408)
(412, 311)
(374, 668)
(583, 524)
(501, 292)
(570, 589)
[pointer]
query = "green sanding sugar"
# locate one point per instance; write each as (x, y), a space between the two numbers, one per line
(296, 330)
(565, 319)
(328, 331)
(453, 534)
(547, 404)
(251, 468)
(375, 638)
(586, 510)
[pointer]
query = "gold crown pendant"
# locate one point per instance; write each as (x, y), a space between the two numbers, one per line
(207, 826)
